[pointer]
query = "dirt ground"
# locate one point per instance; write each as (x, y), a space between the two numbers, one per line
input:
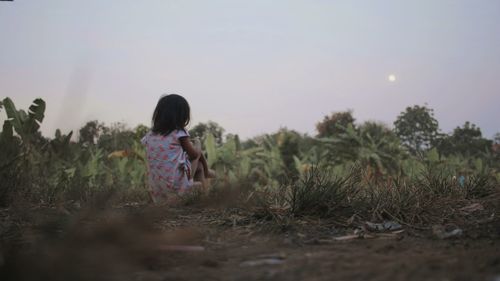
(188, 243)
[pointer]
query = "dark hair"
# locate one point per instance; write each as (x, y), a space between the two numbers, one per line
(171, 113)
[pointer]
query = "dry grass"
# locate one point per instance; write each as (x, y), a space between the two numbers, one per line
(428, 199)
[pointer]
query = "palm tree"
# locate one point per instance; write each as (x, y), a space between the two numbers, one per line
(372, 145)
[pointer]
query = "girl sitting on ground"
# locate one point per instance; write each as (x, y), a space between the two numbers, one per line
(175, 164)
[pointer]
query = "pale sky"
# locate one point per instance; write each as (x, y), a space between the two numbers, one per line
(253, 66)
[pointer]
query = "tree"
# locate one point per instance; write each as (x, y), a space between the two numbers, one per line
(140, 131)
(116, 137)
(334, 124)
(466, 140)
(90, 132)
(201, 130)
(417, 128)
(380, 148)
(372, 144)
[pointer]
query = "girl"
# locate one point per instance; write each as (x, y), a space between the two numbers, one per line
(173, 161)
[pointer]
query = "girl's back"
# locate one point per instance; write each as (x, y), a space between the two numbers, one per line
(168, 164)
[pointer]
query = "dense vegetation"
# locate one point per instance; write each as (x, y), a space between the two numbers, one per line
(400, 173)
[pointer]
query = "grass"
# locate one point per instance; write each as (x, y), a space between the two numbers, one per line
(430, 198)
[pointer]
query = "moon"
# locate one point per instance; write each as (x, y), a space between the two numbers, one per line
(391, 78)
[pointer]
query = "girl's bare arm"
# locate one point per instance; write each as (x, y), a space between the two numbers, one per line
(192, 152)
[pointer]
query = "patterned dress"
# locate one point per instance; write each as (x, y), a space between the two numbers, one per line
(168, 165)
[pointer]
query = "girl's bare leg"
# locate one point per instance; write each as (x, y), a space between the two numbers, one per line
(199, 174)
(195, 163)
(197, 166)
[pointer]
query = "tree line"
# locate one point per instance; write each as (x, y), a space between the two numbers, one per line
(109, 157)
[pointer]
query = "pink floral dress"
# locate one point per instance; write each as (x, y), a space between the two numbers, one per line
(168, 165)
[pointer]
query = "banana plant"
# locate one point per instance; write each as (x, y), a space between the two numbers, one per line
(128, 167)
(263, 164)
(61, 145)
(24, 124)
(224, 159)
(313, 157)
(372, 145)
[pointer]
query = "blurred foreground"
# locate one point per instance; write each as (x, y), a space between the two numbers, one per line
(239, 242)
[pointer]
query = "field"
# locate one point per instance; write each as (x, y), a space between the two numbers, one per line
(355, 202)
(138, 242)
